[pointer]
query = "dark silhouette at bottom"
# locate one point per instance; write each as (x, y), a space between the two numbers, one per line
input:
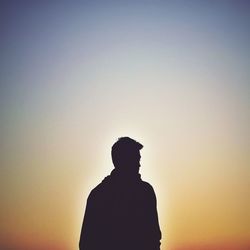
(121, 211)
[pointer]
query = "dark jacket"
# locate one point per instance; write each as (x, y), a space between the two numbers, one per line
(121, 214)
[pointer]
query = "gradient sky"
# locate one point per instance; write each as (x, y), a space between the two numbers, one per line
(174, 75)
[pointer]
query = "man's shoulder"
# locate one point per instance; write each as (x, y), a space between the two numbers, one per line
(99, 190)
(104, 189)
(147, 187)
(146, 184)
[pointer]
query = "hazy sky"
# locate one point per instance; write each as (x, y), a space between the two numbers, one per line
(76, 75)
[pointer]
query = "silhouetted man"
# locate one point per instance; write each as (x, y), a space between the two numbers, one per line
(121, 211)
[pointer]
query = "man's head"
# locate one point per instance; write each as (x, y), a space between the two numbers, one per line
(126, 154)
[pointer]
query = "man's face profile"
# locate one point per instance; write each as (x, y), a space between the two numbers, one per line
(132, 161)
(126, 155)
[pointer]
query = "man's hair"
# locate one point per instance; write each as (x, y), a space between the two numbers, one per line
(123, 148)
